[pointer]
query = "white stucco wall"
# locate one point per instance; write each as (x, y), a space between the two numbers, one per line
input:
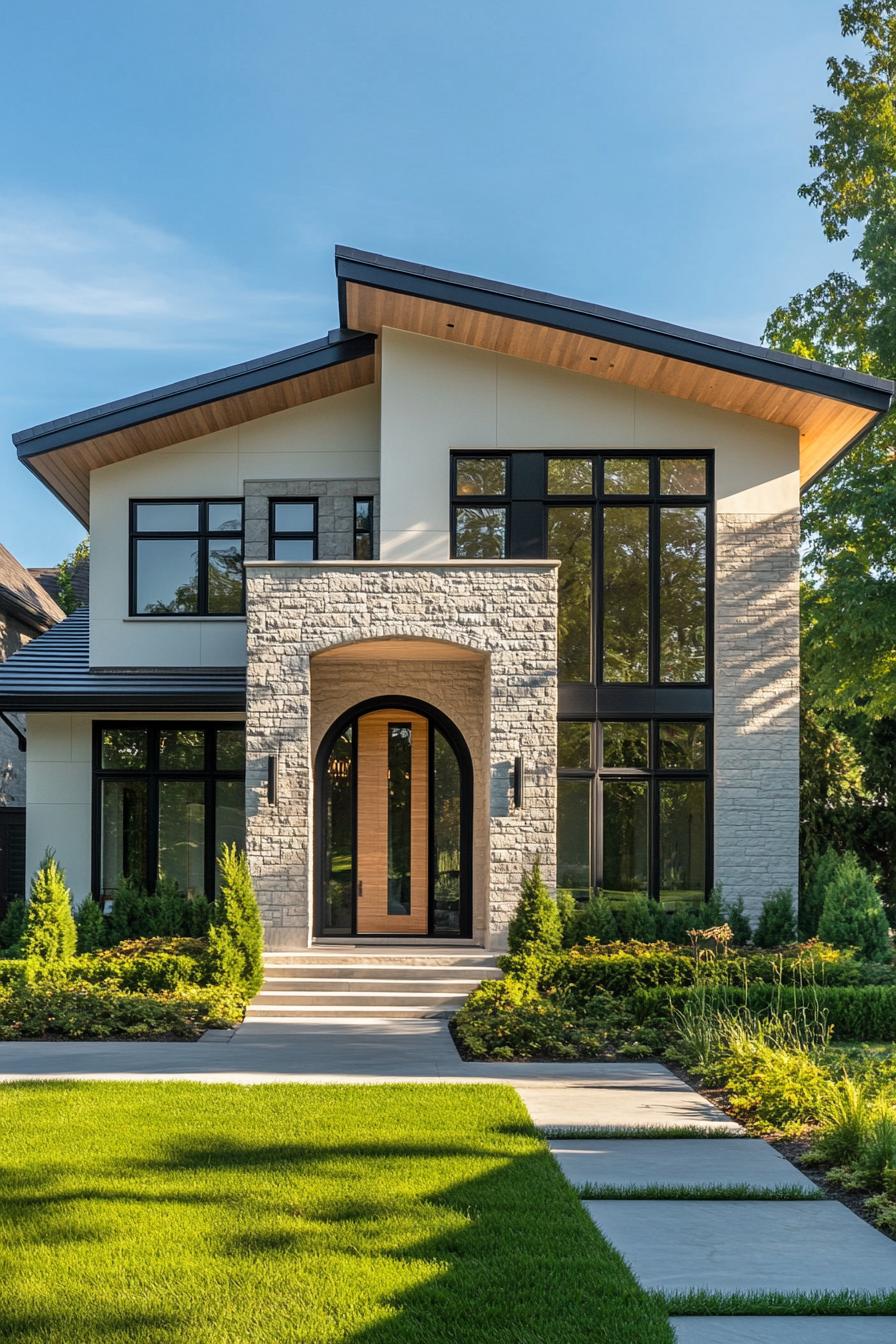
(335, 437)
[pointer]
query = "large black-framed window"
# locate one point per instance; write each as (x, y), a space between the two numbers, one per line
(634, 533)
(634, 808)
(166, 796)
(186, 557)
(293, 529)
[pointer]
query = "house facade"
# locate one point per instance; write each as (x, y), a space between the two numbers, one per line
(483, 575)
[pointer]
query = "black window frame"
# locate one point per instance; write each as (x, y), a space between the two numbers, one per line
(202, 535)
(276, 534)
(358, 532)
(501, 501)
(210, 774)
(654, 775)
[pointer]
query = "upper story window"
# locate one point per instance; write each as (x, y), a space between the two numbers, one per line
(479, 513)
(293, 529)
(632, 534)
(187, 557)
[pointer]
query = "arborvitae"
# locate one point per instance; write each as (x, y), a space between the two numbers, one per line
(738, 922)
(128, 918)
(595, 919)
(50, 937)
(638, 918)
(171, 908)
(567, 909)
(853, 915)
(776, 925)
(197, 916)
(12, 925)
(812, 897)
(236, 937)
(91, 925)
(536, 920)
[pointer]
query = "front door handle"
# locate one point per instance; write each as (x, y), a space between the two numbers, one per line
(360, 890)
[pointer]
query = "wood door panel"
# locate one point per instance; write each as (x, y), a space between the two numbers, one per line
(373, 824)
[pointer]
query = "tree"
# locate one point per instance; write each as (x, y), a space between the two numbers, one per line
(50, 937)
(850, 542)
(852, 914)
(536, 920)
(65, 576)
(236, 938)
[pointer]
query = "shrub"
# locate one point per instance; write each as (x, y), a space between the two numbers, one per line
(236, 938)
(776, 925)
(171, 908)
(846, 1116)
(536, 918)
(91, 925)
(594, 919)
(779, 1088)
(812, 897)
(146, 965)
(506, 1019)
(638, 919)
(50, 937)
(852, 915)
(736, 918)
(128, 917)
(567, 909)
(12, 926)
(198, 916)
(78, 1011)
(853, 1013)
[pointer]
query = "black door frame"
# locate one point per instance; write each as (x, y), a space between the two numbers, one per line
(435, 718)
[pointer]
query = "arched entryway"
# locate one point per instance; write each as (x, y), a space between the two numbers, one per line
(393, 788)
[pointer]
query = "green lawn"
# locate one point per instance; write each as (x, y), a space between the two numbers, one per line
(377, 1215)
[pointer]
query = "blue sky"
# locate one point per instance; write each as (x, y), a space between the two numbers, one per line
(174, 174)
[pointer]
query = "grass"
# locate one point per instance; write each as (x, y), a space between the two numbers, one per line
(293, 1214)
(701, 1303)
(782, 1192)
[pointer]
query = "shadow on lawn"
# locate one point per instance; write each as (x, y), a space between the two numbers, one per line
(520, 1264)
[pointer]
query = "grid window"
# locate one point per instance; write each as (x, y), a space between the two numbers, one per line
(166, 796)
(187, 558)
(293, 529)
(363, 528)
(479, 520)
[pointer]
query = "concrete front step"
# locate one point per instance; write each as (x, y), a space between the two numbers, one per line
(421, 998)
(433, 960)
(468, 976)
(336, 1013)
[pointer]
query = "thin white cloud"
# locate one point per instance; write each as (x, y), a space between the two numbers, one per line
(85, 277)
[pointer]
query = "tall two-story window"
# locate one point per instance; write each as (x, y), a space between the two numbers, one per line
(633, 534)
(187, 557)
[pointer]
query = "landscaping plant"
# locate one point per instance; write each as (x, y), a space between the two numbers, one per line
(236, 938)
(536, 920)
(852, 914)
(776, 925)
(91, 925)
(50, 937)
(12, 925)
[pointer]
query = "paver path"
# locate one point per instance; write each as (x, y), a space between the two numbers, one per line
(784, 1329)
(646, 1163)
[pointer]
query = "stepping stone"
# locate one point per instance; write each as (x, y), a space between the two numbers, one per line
(784, 1329)
(625, 1096)
(747, 1246)
(676, 1162)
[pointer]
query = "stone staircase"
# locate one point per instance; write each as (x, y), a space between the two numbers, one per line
(369, 982)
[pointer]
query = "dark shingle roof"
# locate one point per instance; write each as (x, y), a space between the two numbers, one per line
(22, 595)
(52, 673)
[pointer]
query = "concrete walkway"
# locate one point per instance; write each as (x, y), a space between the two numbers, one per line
(606, 1119)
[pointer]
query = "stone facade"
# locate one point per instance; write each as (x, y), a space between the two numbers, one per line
(335, 513)
(757, 700)
(504, 701)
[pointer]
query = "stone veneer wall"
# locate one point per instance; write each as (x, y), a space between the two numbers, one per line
(335, 513)
(504, 610)
(757, 699)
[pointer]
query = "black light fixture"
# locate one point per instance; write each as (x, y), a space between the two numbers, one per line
(272, 779)
(519, 782)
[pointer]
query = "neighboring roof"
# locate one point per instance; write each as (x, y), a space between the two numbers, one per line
(63, 452)
(22, 596)
(48, 578)
(831, 406)
(52, 673)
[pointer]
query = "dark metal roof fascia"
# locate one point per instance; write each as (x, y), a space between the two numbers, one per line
(339, 347)
(610, 324)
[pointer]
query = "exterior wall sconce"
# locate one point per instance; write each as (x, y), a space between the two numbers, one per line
(519, 782)
(272, 780)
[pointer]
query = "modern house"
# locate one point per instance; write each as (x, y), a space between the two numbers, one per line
(483, 574)
(26, 611)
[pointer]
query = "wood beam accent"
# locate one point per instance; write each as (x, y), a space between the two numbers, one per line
(825, 425)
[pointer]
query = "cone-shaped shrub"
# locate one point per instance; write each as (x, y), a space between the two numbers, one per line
(776, 925)
(736, 918)
(50, 937)
(812, 898)
(852, 915)
(91, 926)
(235, 938)
(536, 920)
(198, 915)
(128, 918)
(12, 925)
(637, 919)
(171, 908)
(567, 909)
(595, 919)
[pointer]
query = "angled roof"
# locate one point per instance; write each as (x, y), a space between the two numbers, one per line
(63, 452)
(831, 406)
(22, 596)
(53, 673)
